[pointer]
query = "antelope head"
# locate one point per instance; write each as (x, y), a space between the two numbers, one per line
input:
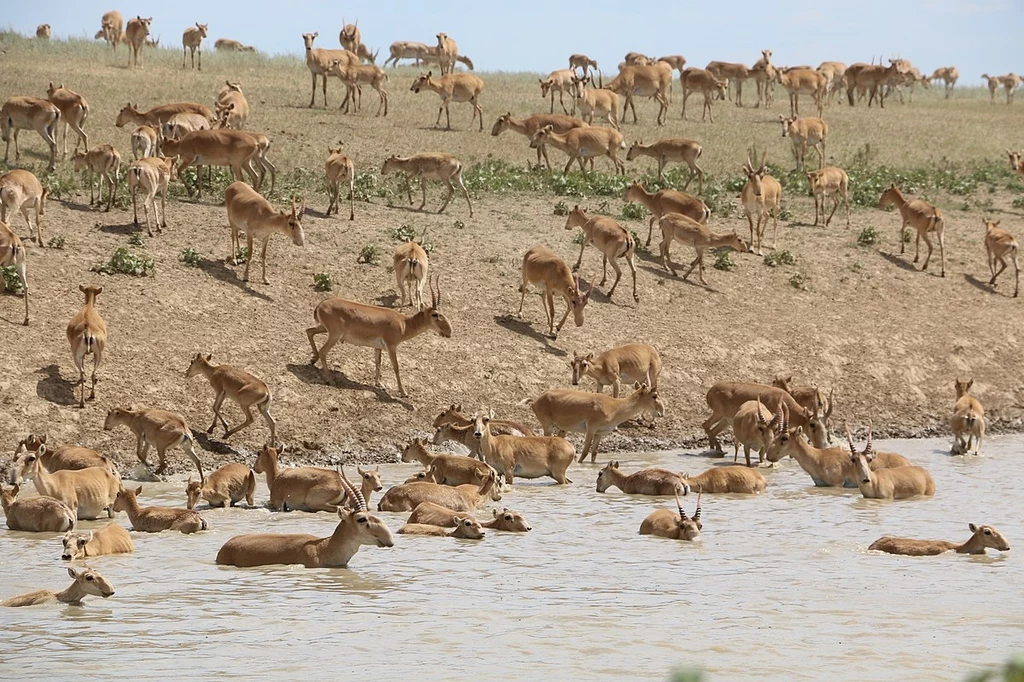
(862, 459)
(648, 398)
(438, 322)
(74, 545)
(308, 38)
(689, 527)
(373, 476)
(755, 176)
(786, 123)
(368, 529)
(579, 300)
(511, 521)
(963, 387)
(580, 364)
(422, 81)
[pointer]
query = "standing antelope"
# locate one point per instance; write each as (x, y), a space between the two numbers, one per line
(665, 523)
(590, 101)
(643, 81)
(731, 73)
(411, 265)
(760, 198)
(12, 255)
(681, 228)
(608, 237)
(350, 36)
(872, 77)
(29, 113)
(136, 33)
(531, 124)
(764, 74)
(73, 110)
(339, 169)
(677, 149)
(804, 82)
(241, 386)
(825, 181)
(803, 132)
(583, 143)
(318, 61)
(524, 456)
(157, 116)
(701, 80)
(628, 363)
(356, 75)
(21, 191)
(225, 487)
(152, 175)
(981, 538)
(594, 414)
(104, 161)
(812, 400)
(968, 422)
(144, 140)
(835, 72)
(725, 398)
(87, 334)
(1010, 83)
(1015, 162)
(923, 217)
(888, 484)
(562, 81)
(754, 427)
(112, 29)
(235, 148)
(430, 166)
(157, 428)
(1000, 245)
(374, 327)
(582, 61)
(192, 40)
(447, 53)
(667, 201)
(453, 87)
(249, 211)
(543, 267)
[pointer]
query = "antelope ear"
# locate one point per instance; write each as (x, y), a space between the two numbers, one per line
(138, 491)
(73, 573)
(974, 529)
(496, 514)
(615, 464)
(209, 356)
(590, 356)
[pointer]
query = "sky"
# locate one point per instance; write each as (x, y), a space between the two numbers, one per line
(977, 36)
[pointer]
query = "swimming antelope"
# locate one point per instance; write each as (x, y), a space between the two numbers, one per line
(981, 538)
(888, 484)
(665, 523)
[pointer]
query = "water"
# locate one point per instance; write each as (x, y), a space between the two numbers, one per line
(780, 588)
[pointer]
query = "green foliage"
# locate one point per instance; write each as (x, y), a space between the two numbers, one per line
(1018, 202)
(242, 255)
(687, 675)
(799, 281)
(1012, 671)
(404, 233)
(579, 237)
(724, 261)
(785, 213)
(906, 235)
(57, 241)
(11, 279)
(136, 239)
(369, 255)
(190, 257)
(125, 262)
(777, 258)
(633, 211)
(868, 236)
(561, 208)
(322, 282)
(459, 225)
(638, 243)
(368, 185)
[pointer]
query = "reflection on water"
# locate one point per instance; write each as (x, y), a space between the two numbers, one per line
(781, 587)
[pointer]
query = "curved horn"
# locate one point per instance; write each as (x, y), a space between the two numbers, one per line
(868, 449)
(849, 439)
(748, 166)
(764, 157)
(433, 294)
(354, 493)
(682, 513)
(760, 417)
(785, 416)
(696, 514)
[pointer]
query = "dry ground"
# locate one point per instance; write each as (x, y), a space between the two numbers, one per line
(888, 338)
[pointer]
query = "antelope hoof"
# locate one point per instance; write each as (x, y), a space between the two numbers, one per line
(209, 430)
(636, 299)
(266, 281)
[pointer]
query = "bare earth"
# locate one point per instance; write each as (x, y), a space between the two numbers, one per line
(888, 338)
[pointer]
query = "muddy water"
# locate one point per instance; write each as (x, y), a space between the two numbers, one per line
(780, 588)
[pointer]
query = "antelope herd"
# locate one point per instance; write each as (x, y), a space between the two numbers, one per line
(774, 420)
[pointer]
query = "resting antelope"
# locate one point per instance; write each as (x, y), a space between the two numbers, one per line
(230, 45)
(460, 498)
(43, 32)
(225, 487)
(827, 466)
(583, 143)
(582, 61)
(104, 161)
(667, 201)
(88, 492)
(694, 80)
(29, 113)
(760, 198)
(436, 515)
(12, 255)
(561, 81)
(561, 410)
(447, 469)
(430, 166)
(1000, 245)
(542, 267)
(968, 421)
(643, 81)
(110, 539)
(664, 523)
(242, 387)
(825, 181)
(728, 479)
(754, 427)
(453, 87)
(375, 327)
(531, 124)
(804, 132)
(319, 60)
(628, 363)
(249, 211)
(923, 217)
(21, 191)
(339, 169)
(608, 237)
(644, 482)
(157, 519)
(357, 527)
(135, 34)
(725, 397)
(86, 583)
(39, 514)
(356, 75)
(466, 528)
(982, 537)
(87, 334)
(112, 29)
(524, 456)
(152, 175)
(683, 229)
(888, 484)
(73, 112)
(677, 149)
(404, 49)
(192, 41)
(590, 101)
(160, 429)
(411, 265)
(804, 82)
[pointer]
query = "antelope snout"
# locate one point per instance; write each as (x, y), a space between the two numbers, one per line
(65, 557)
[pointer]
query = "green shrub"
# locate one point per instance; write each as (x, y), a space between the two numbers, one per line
(11, 279)
(799, 281)
(124, 262)
(322, 282)
(633, 211)
(724, 261)
(561, 208)
(868, 236)
(190, 257)
(369, 255)
(777, 258)
(57, 241)
(136, 239)
(405, 233)
(242, 255)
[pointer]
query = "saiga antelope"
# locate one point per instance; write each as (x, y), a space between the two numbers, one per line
(923, 217)
(453, 87)
(354, 76)
(628, 363)
(157, 519)
(38, 514)
(583, 143)
(694, 80)
(825, 181)
(643, 81)
(683, 229)
(73, 111)
(531, 124)
(339, 169)
(192, 40)
(249, 211)
(1000, 245)
(225, 487)
(524, 456)
(676, 149)
(981, 538)
(21, 191)
(888, 484)
(238, 149)
(374, 327)
(430, 166)
(157, 428)
(665, 523)
(112, 28)
(104, 161)
(644, 482)
(110, 539)
(87, 334)
(968, 421)
(411, 266)
(12, 254)
(29, 113)
(318, 61)
(447, 53)
(562, 81)
(582, 61)
(760, 198)
(350, 36)
(591, 101)
(608, 237)
(43, 32)
(804, 82)
(543, 267)
(667, 201)
(731, 73)
(152, 175)
(725, 398)
(136, 33)
(242, 387)
(803, 132)
(86, 583)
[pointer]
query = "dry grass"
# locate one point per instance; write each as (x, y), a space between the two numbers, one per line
(858, 317)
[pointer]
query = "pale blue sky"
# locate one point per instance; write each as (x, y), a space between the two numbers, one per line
(527, 35)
